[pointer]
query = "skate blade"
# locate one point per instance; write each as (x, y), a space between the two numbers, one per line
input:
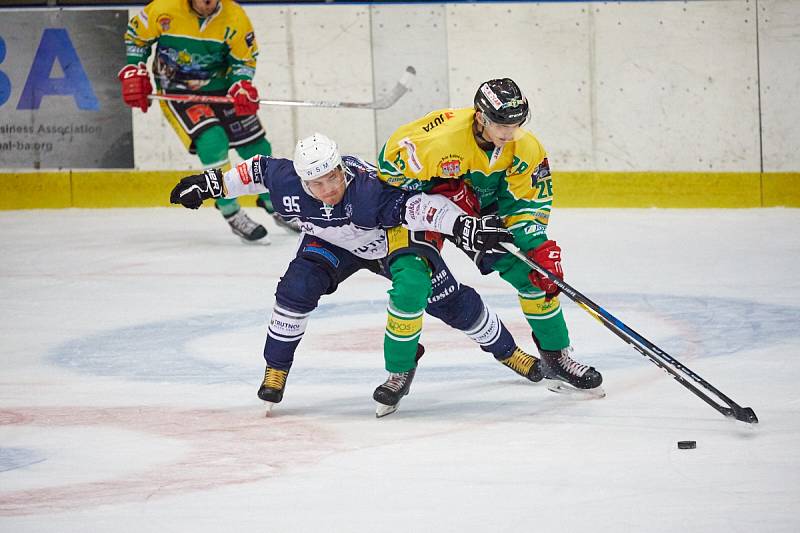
(269, 406)
(561, 387)
(382, 410)
(263, 241)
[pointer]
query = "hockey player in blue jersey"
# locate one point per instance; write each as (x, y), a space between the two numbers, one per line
(351, 221)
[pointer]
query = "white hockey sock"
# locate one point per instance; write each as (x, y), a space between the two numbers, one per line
(486, 329)
(287, 326)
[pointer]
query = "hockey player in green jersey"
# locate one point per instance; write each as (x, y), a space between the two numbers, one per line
(504, 169)
(202, 47)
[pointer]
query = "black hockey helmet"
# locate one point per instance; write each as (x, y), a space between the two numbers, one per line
(502, 101)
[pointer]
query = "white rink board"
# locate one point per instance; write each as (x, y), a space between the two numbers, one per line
(404, 35)
(676, 87)
(779, 43)
(547, 52)
(632, 86)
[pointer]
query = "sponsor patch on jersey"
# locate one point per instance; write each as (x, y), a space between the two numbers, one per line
(315, 248)
(164, 21)
(256, 166)
(430, 215)
(450, 166)
(411, 150)
(244, 173)
(438, 121)
(542, 171)
(535, 229)
(250, 38)
(542, 216)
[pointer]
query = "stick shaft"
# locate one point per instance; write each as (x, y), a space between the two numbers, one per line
(389, 99)
(648, 349)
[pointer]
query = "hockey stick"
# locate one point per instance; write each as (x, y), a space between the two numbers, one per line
(659, 357)
(386, 101)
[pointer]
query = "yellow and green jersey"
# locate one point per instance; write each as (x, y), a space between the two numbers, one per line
(193, 53)
(441, 144)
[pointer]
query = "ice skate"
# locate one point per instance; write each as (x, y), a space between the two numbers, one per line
(523, 364)
(564, 375)
(290, 225)
(246, 229)
(392, 391)
(271, 389)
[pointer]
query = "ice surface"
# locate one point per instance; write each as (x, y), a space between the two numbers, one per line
(131, 354)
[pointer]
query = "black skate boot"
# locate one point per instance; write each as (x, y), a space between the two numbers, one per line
(245, 228)
(291, 225)
(392, 391)
(271, 389)
(571, 375)
(523, 364)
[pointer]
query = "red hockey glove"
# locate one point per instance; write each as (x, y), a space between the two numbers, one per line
(548, 255)
(461, 194)
(135, 85)
(245, 98)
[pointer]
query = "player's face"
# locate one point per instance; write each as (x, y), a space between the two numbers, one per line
(329, 188)
(204, 8)
(499, 134)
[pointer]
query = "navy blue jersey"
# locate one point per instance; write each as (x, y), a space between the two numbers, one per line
(357, 223)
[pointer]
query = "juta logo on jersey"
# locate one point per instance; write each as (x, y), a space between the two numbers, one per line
(438, 121)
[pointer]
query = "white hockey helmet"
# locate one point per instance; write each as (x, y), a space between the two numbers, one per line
(316, 156)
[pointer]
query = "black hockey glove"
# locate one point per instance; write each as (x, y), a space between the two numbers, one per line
(192, 190)
(483, 234)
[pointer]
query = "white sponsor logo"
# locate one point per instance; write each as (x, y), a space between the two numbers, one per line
(489, 94)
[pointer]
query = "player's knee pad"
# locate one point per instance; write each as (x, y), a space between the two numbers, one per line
(304, 283)
(411, 283)
(212, 146)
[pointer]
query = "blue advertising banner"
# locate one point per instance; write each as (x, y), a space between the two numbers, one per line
(60, 104)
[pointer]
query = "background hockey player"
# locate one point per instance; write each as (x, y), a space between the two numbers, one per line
(202, 47)
(350, 221)
(486, 148)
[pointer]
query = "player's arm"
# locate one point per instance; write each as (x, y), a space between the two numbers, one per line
(248, 177)
(242, 56)
(402, 164)
(525, 207)
(142, 32)
(434, 212)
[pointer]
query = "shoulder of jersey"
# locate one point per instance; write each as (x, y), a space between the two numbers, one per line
(168, 6)
(232, 10)
(529, 144)
(357, 165)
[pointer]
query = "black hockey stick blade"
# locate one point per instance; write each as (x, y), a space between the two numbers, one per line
(744, 414)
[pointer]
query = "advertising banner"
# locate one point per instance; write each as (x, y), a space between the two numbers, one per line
(60, 103)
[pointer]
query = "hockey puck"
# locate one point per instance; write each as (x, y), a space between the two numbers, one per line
(687, 444)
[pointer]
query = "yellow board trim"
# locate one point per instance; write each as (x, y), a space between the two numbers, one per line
(132, 188)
